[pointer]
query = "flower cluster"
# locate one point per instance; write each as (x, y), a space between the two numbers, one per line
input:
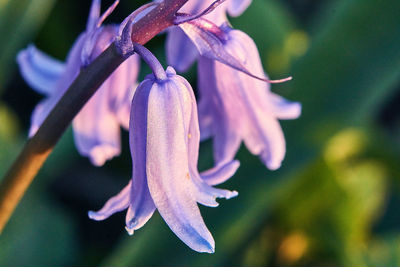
(165, 125)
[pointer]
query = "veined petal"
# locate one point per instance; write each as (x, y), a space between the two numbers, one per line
(211, 40)
(204, 193)
(141, 204)
(167, 167)
(217, 16)
(39, 70)
(225, 112)
(261, 131)
(115, 204)
(96, 130)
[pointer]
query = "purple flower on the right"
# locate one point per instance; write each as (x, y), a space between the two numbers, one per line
(235, 107)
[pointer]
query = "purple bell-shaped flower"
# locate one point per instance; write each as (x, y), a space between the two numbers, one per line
(97, 126)
(164, 141)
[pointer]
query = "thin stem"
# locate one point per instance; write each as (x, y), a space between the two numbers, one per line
(152, 61)
(37, 149)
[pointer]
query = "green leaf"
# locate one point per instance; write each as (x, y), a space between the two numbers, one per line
(19, 22)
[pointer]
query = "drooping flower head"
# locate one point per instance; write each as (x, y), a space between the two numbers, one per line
(164, 140)
(97, 126)
(236, 103)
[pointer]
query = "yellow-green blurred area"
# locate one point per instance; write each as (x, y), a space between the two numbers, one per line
(334, 202)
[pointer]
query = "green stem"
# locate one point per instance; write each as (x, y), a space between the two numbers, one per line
(38, 148)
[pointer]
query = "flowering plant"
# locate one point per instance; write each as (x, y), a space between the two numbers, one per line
(165, 127)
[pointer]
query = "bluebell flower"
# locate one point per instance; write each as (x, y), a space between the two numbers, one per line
(181, 53)
(97, 126)
(164, 141)
(236, 103)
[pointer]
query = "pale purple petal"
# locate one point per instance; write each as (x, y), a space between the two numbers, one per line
(210, 41)
(94, 15)
(284, 109)
(263, 135)
(220, 173)
(96, 127)
(167, 167)
(194, 7)
(205, 119)
(123, 83)
(39, 70)
(204, 193)
(40, 113)
(96, 130)
(225, 112)
(181, 53)
(242, 108)
(237, 7)
(141, 204)
(115, 204)
(96, 42)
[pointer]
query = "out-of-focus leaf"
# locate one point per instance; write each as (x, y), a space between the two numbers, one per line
(39, 234)
(383, 252)
(353, 64)
(19, 21)
(9, 141)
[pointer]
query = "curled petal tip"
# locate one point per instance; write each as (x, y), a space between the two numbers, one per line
(94, 216)
(280, 80)
(232, 194)
(209, 248)
(130, 231)
(273, 165)
(100, 154)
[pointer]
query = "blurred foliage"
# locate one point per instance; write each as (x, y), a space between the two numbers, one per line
(19, 22)
(335, 200)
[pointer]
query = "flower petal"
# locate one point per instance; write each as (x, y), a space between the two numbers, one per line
(261, 131)
(225, 113)
(204, 193)
(181, 53)
(115, 204)
(141, 204)
(40, 113)
(284, 109)
(96, 130)
(220, 173)
(167, 167)
(122, 88)
(39, 70)
(210, 42)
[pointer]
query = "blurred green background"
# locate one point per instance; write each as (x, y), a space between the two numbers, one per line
(334, 202)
